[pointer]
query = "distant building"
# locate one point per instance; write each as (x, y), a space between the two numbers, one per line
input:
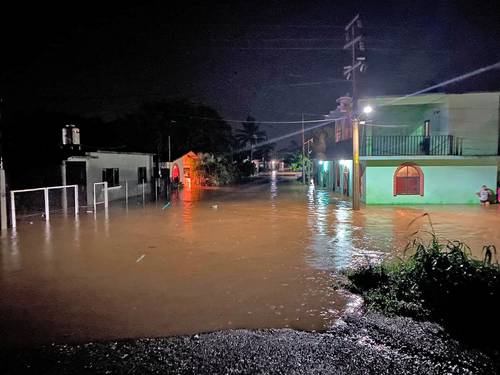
(183, 169)
(116, 168)
(425, 149)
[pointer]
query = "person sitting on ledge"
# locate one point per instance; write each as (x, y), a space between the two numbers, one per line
(484, 195)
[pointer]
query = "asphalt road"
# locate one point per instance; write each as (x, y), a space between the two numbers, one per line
(370, 344)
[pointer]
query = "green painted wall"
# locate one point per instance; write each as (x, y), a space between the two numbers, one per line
(443, 184)
(344, 164)
(475, 118)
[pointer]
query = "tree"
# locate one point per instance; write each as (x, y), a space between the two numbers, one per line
(250, 134)
(190, 127)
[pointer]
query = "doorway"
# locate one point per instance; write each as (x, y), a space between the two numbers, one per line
(76, 174)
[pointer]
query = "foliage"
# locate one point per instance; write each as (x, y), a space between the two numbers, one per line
(190, 127)
(294, 160)
(264, 152)
(245, 169)
(439, 281)
(250, 134)
(215, 171)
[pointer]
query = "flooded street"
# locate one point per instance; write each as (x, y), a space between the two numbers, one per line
(256, 256)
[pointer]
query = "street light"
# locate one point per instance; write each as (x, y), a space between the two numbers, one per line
(368, 109)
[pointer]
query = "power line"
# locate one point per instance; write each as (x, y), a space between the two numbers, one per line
(258, 122)
(288, 135)
(449, 81)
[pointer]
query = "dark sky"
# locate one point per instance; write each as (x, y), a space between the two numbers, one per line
(273, 60)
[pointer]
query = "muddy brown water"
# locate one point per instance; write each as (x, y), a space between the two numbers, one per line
(256, 256)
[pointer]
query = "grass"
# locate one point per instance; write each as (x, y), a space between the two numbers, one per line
(439, 281)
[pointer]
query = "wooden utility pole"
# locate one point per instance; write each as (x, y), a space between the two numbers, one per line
(303, 153)
(356, 191)
(3, 190)
(355, 42)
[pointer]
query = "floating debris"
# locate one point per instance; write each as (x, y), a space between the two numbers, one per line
(215, 206)
(167, 205)
(140, 258)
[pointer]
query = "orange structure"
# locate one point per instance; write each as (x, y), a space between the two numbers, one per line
(184, 170)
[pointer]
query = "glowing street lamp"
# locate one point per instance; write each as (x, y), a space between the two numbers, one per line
(367, 109)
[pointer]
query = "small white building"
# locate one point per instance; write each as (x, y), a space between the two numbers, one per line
(115, 168)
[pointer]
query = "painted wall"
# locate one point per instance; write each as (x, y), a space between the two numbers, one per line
(343, 165)
(474, 117)
(127, 163)
(448, 183)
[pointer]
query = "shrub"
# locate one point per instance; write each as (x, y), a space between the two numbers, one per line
(439, 281)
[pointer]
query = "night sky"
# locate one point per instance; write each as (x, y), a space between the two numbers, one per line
(272, 60)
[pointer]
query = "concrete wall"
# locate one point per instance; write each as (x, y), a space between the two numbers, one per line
(445, 182)
(324, 174)
(127, 163)
(409, 120)
(342, 164)
(474, 117)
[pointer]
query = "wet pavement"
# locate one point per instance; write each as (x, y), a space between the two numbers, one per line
(256, 256)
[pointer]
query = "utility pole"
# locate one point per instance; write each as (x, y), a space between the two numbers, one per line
(3, 190)
(172, 122)
(354, 41)
(303, 153)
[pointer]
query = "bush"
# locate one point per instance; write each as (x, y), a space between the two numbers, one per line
(245, 169)
(440, 282)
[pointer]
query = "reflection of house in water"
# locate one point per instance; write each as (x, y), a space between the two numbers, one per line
(425, 149)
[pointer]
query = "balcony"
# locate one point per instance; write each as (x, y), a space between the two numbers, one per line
(411, 145)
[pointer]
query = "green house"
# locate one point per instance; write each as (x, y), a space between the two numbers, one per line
(425, 149)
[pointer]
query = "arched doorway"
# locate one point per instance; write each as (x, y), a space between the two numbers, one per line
(175, 173)
(408, 180)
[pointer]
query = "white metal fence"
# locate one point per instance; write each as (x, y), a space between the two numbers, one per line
(45, 198)
(104, 195)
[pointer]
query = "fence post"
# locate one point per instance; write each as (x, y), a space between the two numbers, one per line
(106, 195)
(156, 189)
(76, 200)
(126, 193)
(143, 193)
(3, 198)
(64, 194)
(95, 205)
(13, 209)
(46, 199)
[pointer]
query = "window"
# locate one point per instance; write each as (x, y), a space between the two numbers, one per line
(111, 176)
(408, 180)
(142, 175)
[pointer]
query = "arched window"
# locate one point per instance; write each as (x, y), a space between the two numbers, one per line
(408, 180)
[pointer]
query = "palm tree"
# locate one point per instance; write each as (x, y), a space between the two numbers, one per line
(250, 134)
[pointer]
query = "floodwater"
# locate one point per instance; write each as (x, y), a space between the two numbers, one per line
(255, 256)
